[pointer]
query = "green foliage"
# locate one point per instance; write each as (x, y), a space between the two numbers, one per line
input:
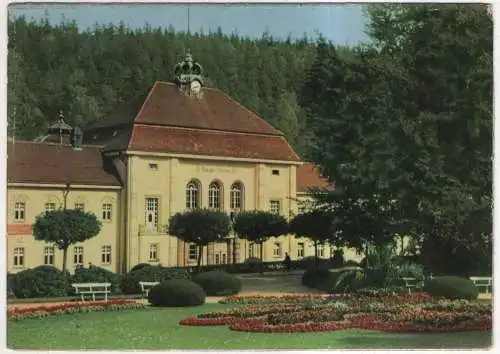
(218, 283)
(43, 281)
(312, 262)
(140, 266)
(253, 265)
(176, 293)
(257, 226)
(130, 281)
(337, 260)
(200, 226)
(327, 281)
(97, 275)
(64, 228)
(451, 287)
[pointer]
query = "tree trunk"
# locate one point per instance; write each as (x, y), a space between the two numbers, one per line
(261, 258)
(200, 254)
(234, 250)
(208, 254)
(65, 259)
(316, 261)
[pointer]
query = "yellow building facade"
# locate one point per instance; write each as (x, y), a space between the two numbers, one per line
(179, 146)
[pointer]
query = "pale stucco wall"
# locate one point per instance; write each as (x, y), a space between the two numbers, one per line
(35, 199)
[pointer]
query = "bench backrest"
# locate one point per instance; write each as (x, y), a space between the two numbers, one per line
(481, 280)
(91, 285)
(409, 281)
(148, 283)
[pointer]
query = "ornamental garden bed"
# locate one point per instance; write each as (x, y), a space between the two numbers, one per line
(417, 312)
(21, 313)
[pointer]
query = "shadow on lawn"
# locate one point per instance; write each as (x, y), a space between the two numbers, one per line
(375, 340)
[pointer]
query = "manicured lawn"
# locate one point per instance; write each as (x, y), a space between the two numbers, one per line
(151, 329)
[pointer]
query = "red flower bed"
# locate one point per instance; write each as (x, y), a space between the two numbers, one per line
(18, 313)
(217, 321)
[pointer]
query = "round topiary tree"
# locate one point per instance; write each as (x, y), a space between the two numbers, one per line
(140, 266)
(176, 293)
(451, 287)
(97, 275)
(130, 281)
(218, 283)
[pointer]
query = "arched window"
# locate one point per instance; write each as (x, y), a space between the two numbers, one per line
(214, 195)
(192, 195)
(236, 196)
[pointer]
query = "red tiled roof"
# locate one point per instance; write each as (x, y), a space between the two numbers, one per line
(308, 176)
(47, 163)
(19, 229)
(211, 143)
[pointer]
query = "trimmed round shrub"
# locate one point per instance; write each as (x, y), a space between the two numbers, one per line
(140, 266)
(451, 287)
(218, 283)
(130, 281)
(310, 263)
(252, 265)
(176, 293)
(325, 280)
(43, 281)
(97, 275)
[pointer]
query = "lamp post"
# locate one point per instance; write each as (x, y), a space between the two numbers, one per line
(232, 239)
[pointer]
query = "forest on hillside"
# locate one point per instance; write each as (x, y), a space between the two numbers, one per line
(86, 74)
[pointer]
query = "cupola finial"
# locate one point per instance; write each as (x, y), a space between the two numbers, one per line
(189, 74)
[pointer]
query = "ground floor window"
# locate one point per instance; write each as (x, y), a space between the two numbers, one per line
(193, 252)
(153, 252)
(106, 255)
(19, 257)
(48, 256)
(78, 255)
(321, 250)
(277, 249)
(300, 249)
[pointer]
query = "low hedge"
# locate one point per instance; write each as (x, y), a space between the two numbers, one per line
(218, 283)
(42, 281)
(140, 266)
(176, 293)
(97, 275)
(451, 287)
(130, 281)
(325, 280)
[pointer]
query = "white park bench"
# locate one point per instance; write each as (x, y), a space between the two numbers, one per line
(482, 282)
(146, 286)
(92, 289)
(412, 283)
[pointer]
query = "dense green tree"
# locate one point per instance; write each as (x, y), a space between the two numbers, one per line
(201, 227)
(64, 228)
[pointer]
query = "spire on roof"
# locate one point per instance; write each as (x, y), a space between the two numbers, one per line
(188, 74)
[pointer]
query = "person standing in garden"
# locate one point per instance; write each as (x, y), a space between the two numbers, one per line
(287, 262)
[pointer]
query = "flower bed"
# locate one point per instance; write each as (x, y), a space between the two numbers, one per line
(318, 313)
(71, 307)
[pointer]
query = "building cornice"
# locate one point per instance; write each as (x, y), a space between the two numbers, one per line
(60, 185)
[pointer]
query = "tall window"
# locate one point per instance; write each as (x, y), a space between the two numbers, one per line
(277, 249)
(236, 196)
(78, 255)
(193, 252)
(192, 195)
(79, 206)
(106, 255)
(321, 250)
(152, 206)
(217, 258)
(51, 206)
(214, 196)
(19, 257)
(275, 206)
(106, 211)
(251, 251)
(300, 249)
(19, 211)
(48, 255)
(153, 252)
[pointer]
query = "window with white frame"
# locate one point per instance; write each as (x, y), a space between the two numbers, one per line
(106, 211)
(50, 206)
(321, 250)
(19, 257)
(80, 206)
(300, 249)
(217, 258)
(19, 211)
(277, 249)
(153, 252)
(275, 206)
(214, 195)
(192, 195)
(152, 212)
(78, 255)
(193, 252)
(48, 255)
(236, 196)
(106, 254)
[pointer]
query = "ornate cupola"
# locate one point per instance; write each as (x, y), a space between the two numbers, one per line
(62, 133)
(188, 76)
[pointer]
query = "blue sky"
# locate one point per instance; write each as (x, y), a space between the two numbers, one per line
(341, 23)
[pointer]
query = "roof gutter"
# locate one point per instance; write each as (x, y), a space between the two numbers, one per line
(213, 158)
(61, 185)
